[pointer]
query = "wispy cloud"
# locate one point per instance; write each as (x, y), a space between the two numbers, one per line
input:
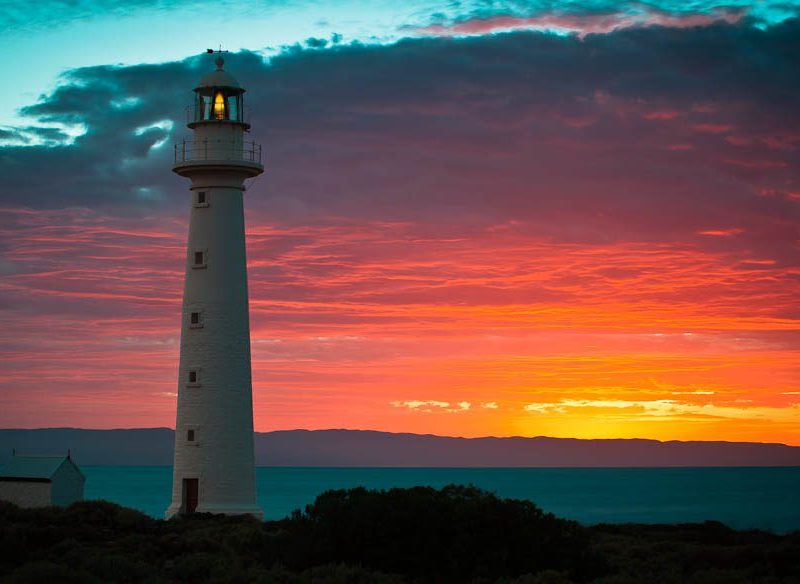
(431, 406)
(629, 15)
(722, 232)
(663, 408)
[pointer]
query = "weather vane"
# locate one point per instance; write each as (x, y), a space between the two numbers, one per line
(219, 60)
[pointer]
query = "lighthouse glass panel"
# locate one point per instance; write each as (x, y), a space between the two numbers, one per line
(234, 111)
(203, 108)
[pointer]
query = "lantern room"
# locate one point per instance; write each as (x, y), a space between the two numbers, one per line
(219, 98)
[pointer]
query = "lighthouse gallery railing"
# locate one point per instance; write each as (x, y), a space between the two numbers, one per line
(198, 150)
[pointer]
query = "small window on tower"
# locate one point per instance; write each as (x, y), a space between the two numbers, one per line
(199, 259)
(201, 199)
(196, 319)
(193, 378)
(190, 435)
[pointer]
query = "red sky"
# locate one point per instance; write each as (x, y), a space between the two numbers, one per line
(515, 234)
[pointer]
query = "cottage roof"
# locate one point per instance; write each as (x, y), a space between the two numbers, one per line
(32, 467)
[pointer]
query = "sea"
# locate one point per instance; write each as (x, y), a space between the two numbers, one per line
(742, 497)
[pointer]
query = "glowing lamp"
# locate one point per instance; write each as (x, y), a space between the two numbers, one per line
(219, 106)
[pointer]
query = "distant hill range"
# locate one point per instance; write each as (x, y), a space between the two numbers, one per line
(153, 446)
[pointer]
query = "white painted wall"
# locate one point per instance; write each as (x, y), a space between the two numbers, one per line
(26, 494)
(219, 406)
(67, 485)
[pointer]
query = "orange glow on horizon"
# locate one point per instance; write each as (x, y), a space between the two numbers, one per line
(366, 327)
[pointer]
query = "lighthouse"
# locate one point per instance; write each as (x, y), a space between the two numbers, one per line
(214, 468)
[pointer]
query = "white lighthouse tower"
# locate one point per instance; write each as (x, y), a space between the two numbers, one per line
(214, 469)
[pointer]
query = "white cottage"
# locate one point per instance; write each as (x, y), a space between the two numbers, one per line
(41, 481)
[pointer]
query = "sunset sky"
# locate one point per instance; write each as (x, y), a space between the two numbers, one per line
(561, 218)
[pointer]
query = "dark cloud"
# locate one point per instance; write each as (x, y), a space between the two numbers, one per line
(32, 135)
(653, 134)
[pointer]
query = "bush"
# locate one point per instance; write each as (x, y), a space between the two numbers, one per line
(454, 533)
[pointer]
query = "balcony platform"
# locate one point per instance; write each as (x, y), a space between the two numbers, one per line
(193, 156)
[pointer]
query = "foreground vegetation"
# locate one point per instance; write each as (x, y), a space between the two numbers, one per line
(456, 534)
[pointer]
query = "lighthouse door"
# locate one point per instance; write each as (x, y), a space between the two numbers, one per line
(189, 495)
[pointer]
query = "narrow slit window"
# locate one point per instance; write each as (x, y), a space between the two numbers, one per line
(196, 319)
(201, 197)
(199, 259)
(190, 435)
(192, 376)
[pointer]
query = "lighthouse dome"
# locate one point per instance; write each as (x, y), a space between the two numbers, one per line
(219, 78)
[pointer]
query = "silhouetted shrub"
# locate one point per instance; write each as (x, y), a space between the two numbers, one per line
(450, 534)
(456, 534)
(46, 571)
(101, 515)
(329, 574)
